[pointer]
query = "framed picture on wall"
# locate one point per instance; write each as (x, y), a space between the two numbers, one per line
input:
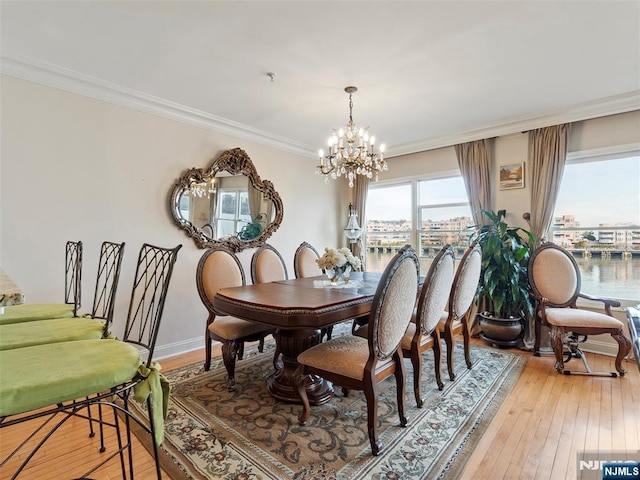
(512, 176)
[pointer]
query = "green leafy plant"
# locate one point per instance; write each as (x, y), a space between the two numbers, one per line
(504, 287)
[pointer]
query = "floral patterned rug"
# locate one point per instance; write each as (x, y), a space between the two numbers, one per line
(211, 433)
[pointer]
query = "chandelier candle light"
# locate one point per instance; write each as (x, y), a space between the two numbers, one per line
(351, 152)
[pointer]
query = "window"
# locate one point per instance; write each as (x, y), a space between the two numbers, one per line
(597, 218)
(425, 213)
(233, 212)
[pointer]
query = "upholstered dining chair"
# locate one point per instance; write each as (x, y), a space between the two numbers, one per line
(220, 268)
(67, 377)
(304, 265)
(72, 294)
(456, 318)
(94, 325)
(360, 363)
(423, 332)
(304, 261)
(554, 278)
(267, 265)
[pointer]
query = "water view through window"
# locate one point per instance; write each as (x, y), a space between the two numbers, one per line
(601, 230)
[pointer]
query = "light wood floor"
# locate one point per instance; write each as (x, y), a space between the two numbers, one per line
(543, 422)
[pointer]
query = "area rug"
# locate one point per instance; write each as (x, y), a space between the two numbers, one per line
(211, 433)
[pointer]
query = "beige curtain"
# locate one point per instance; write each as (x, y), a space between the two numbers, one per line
(360, 192)
(547, 156)
(474, 159)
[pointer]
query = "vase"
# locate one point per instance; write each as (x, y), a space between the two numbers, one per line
(338, 275)
(503, 332)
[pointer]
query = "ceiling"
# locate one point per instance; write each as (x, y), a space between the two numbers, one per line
(429, 73)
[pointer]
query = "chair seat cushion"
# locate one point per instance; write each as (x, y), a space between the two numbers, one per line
(573, 317)
(39, 332)
(408, 337)
(45, 375)
(345, 356)
(232, 328)
(36, 311)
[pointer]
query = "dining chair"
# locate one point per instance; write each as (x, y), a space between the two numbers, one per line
(456, 318)
(554, 278)
(304, 265)
(67, 377)
(220, 268)
(304, 261)
(94, 325)
(422, 332)
(72, 294)
(267, 265)
(359, 363)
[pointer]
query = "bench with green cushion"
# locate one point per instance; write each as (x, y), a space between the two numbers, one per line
(28, 334)
(35, 311)
(47, 375)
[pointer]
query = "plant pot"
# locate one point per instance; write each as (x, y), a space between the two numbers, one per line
(503, 332)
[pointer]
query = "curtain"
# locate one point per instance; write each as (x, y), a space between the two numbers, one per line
(474, 160)
(547, 155)
(360, 192)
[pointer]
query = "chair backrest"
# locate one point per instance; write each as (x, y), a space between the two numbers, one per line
(436, 290)
(267, 265)
(465, 282)
(553, 273)
(393, 303)
(150, 285)
(218, 268)
(109, 265)
(304, 261)
(73, 275)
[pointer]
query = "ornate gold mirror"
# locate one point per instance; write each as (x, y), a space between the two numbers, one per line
(226, 204)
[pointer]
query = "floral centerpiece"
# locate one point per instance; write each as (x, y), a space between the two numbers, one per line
(337, 264)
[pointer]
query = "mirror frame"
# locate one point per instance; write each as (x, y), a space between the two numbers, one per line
(236, 162)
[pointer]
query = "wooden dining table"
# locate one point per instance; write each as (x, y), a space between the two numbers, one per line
(299, 309)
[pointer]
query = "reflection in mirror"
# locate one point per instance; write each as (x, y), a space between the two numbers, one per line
(226, 203)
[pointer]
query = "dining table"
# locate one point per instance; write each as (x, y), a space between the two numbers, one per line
(299, 309)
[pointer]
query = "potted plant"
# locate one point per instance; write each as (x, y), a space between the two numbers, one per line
(503, 291)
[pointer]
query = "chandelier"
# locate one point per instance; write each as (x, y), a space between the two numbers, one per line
(351, 152)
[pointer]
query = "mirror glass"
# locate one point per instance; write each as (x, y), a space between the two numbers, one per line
(226, 203)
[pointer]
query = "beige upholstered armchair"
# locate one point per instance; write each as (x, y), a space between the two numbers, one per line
(555, 283)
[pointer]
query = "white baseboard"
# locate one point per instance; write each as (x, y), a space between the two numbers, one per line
(178, 348)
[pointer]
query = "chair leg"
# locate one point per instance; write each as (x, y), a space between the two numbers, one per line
(466, 335)
(556, 344)
(624, 347)
(300, 379)
(437, 358)
(229, 354)
(261, 345)
(207, 350)
(371, 395)
(416, 361)
(448, 339)
(400, 387)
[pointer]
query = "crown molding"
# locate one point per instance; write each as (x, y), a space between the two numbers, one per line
(74, 82)
(622, 103)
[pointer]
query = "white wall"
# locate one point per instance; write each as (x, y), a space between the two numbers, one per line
(74, 168)
(589, 135)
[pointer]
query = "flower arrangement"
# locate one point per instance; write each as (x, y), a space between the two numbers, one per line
(338, 263)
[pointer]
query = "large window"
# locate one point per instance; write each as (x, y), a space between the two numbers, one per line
(425, 213)
(597, 218)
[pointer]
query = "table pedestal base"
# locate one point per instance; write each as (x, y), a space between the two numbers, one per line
(281, 384)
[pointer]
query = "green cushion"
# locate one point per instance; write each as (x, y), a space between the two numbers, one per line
(35, 311)
(39, 332)
(45, 375)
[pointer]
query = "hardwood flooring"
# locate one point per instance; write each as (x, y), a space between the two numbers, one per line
(545, 420)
